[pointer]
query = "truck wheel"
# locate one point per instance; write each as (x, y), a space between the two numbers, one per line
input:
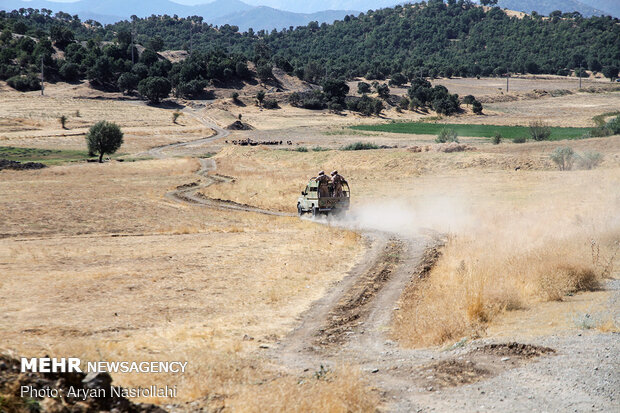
(300, 211)
(315, 211)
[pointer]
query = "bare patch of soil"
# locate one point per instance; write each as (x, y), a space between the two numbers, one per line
(479, 364)
(19, 166)
(238, 125)
(450, 373)
(515, 350)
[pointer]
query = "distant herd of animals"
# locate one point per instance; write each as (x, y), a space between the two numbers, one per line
(250, 142)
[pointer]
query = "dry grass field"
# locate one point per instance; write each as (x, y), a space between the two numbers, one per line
(31, 120)
(110, 269)
(98, 263)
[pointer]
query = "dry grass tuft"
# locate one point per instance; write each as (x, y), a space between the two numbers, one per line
(561, 280)
(334, 392)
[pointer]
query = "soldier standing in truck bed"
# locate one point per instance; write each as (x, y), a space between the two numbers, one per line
(323, 181)
(338, 180)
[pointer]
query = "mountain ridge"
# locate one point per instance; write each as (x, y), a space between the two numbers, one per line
(237, 12)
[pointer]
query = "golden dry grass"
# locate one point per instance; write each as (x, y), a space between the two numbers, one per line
(340, 391)
(111, 270)
(32, 121)
(537, 246)
(273, 178)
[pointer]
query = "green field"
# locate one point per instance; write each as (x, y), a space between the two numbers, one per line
(481, 131)
(45, 156)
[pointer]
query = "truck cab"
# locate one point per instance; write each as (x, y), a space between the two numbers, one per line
(311, 200)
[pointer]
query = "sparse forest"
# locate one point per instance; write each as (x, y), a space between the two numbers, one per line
(429, 39)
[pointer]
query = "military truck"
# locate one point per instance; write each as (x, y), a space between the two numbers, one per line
(312, 202)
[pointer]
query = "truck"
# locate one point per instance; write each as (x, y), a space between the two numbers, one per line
(312, 202)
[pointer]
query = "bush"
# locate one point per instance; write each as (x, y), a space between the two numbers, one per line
(235, 97)
(590, 160)
(264, 71)
(175, 116)
(398, 79)
(24, 83)
(301, 149)
(614, 125)
(469, 99)
(242, 71)
(497, 138)
(363, 88)
(127, 82)
(69, 72)
(447, 135)
(8, 71)
(193, 89)
(563, 157)
(104, 138)
(270, 104)
(154, 88)
(365, 105)
(319, 149)
(519, 139)
(359, 146)
(383, 91)
(335, 106)
(403, 103)
(539, 131)
(477, 107)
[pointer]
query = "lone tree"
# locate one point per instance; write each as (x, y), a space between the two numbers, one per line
(63, 121)
(611, 72)
(175, 116)
(260, 96)
(104, 138)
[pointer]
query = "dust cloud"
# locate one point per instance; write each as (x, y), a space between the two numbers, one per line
(407, 217)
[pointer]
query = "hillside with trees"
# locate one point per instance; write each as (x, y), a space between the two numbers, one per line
(430, 39)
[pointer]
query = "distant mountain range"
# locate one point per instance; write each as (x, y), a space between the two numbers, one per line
(278, 14)
(263, 17)
(234, 12)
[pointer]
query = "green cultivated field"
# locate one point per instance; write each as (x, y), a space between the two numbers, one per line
(481, 131)
(46, 156)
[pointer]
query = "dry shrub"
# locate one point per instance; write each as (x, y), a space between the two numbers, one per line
(561, 280)
(340, 391)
